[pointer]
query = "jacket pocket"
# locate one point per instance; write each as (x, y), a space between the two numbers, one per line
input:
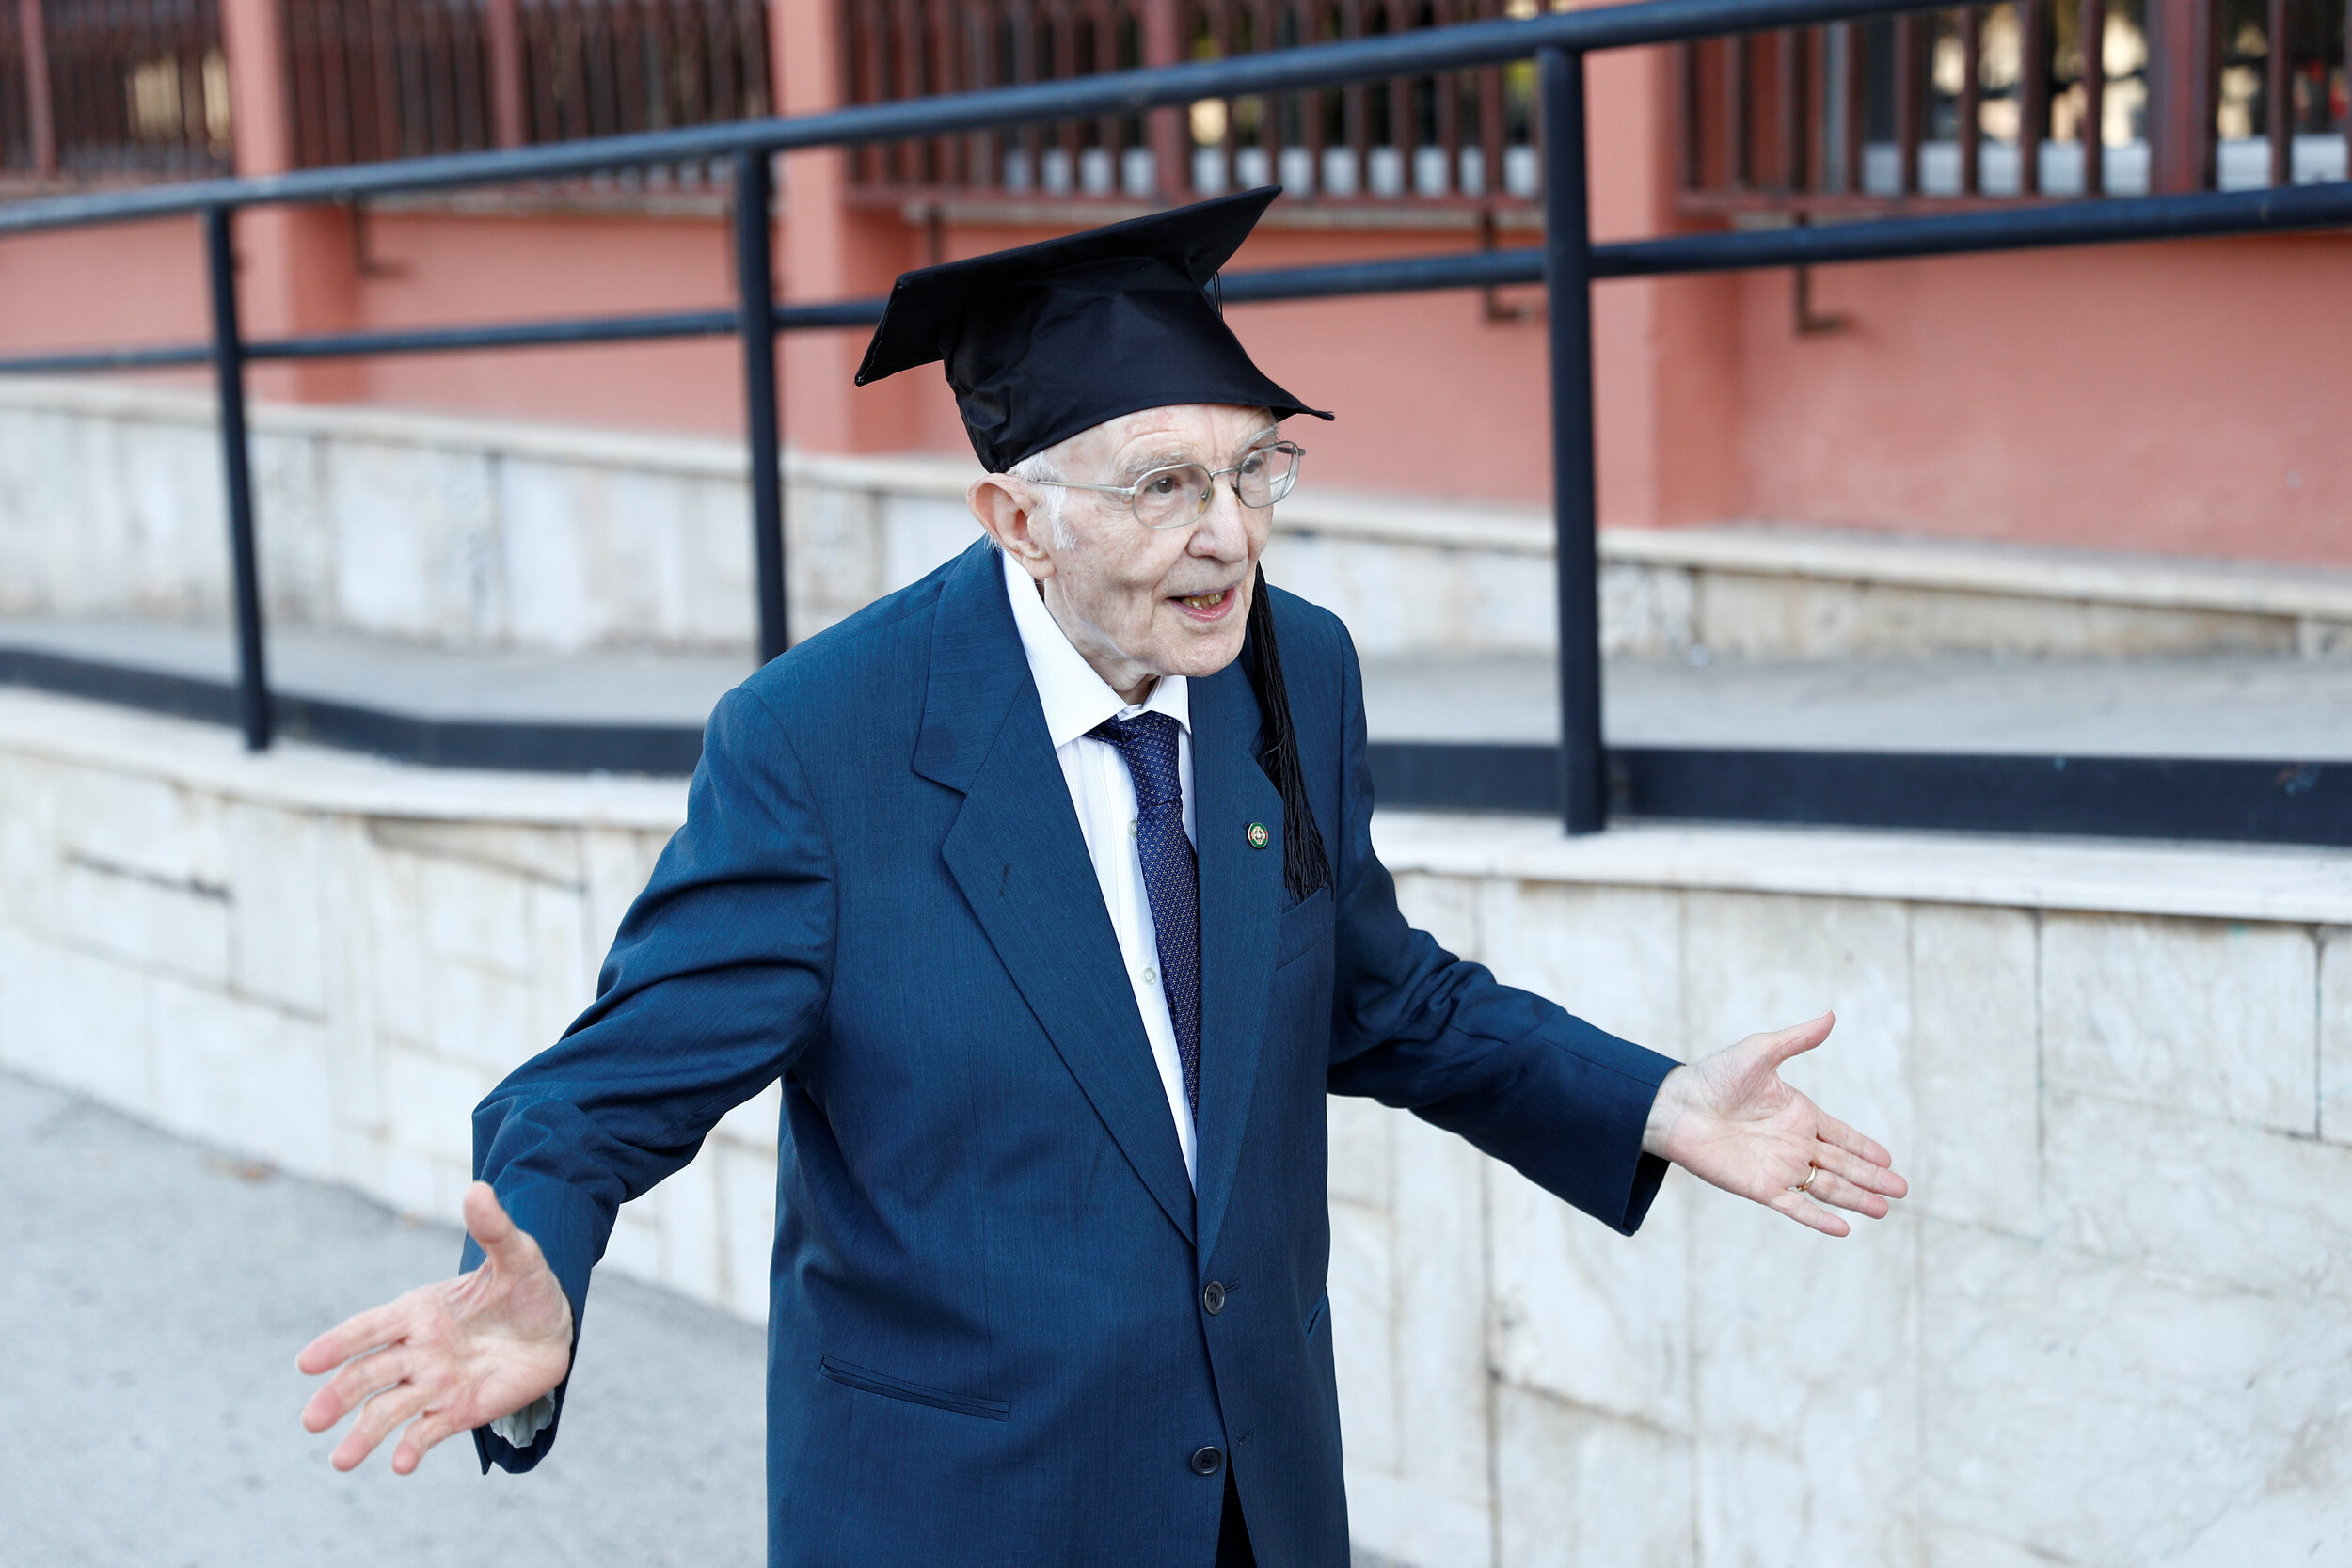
(1305, 926)
(914, 1393)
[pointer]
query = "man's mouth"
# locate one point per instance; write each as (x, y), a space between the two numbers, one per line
(1205, 607)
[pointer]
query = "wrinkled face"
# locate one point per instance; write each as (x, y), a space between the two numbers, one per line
(1141, 603)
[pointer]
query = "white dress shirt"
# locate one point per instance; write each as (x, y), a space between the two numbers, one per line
(1076, 699)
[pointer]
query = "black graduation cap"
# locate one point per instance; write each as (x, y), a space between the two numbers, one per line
(1047, 340)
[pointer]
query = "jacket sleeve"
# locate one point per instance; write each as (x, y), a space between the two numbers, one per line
(1415, 1027)
(715, 982)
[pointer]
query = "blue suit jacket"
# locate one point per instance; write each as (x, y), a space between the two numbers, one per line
(988, 1341)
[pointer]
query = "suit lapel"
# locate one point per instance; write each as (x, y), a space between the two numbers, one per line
(1017, 852)
(1241, 905)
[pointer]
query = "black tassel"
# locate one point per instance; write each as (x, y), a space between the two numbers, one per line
(1305, 866)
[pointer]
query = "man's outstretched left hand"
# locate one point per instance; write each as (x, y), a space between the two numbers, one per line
(1730, 1121)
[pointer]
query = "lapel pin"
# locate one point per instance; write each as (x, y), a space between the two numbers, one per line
(1259, 837)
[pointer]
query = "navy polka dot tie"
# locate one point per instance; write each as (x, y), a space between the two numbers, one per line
(1171, 875)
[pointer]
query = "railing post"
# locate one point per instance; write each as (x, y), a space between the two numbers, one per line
(41, 111)
(2278, 95)
(1575, 480)
(755, 294)
(502, 29)
(253, 705)
(2093, 30)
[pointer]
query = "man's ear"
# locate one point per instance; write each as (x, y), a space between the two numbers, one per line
(1002, 506)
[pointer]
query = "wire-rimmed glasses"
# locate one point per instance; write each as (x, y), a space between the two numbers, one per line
(1181, 493)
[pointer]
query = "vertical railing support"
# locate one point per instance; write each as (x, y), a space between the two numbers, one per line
(2278, 95)
(1167, 132)
(245, 567)
(41, 110)
(2093, 30)
(755, 294)
(1575, 460)
(503, 39)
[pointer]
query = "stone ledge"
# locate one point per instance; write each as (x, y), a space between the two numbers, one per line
(1787, 553)
(2214, 881)
(2207, 881)
(1972, 566)
(301, 777)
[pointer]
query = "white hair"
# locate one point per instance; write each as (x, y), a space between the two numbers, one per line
(1041, 471)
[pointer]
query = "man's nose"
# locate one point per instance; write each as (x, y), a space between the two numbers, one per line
(1223, 530)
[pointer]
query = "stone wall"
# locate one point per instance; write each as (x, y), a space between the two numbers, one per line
(480, 533)
(2113, 1325)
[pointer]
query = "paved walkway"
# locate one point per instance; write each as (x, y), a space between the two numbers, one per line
(153, 1295)
(2267, 708)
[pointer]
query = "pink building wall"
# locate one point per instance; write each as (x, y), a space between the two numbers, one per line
(2185, 398)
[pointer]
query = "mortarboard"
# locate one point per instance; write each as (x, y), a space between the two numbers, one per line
(1048, 339)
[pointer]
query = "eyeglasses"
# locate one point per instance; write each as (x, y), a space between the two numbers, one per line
(1180, 494)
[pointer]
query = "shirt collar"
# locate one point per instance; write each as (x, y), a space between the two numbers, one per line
(1075, 699)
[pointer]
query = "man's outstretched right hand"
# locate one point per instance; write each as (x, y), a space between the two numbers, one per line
(449, 1357)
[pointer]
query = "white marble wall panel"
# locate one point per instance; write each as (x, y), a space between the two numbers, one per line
(918, 534)
(1805, 1353)
(178, 927)
(2134, 1008)
(1446, 908)
(1805, 1365)
(600, 556)
(1422, 1488)
(413, 539)
(747, 1196)
(1591, 1318)
(1577, 1490)
(1977, 1042)
(97, 515)
(1362, 1134)
(2335, 1035)
(1398, 597)
(242, 1074)
(2207, 1199)
(834, 556)
(1364, 1342)
(77, 1020)
(1760, 961)
(29, 843)
(1612, 956)
(277, 925)
(1647, 611)
(2111, 1415)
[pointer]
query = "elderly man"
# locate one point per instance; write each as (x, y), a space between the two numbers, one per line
(1046, 888)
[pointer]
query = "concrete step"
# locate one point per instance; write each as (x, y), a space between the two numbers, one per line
(2216, 706)
(474, 533)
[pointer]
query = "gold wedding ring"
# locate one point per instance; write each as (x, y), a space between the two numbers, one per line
(1811, 1172)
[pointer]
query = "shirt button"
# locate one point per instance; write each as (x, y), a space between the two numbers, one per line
(1151, 977)
(1134, 827)
(1212, 1298)
(1208, 1460)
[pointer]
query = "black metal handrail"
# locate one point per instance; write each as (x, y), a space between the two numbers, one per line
(1568, 264)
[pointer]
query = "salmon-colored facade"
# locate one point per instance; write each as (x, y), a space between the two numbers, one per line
(2188, 398)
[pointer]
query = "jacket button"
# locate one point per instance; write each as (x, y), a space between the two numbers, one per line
(1212, 1298)
(1208, 1460)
